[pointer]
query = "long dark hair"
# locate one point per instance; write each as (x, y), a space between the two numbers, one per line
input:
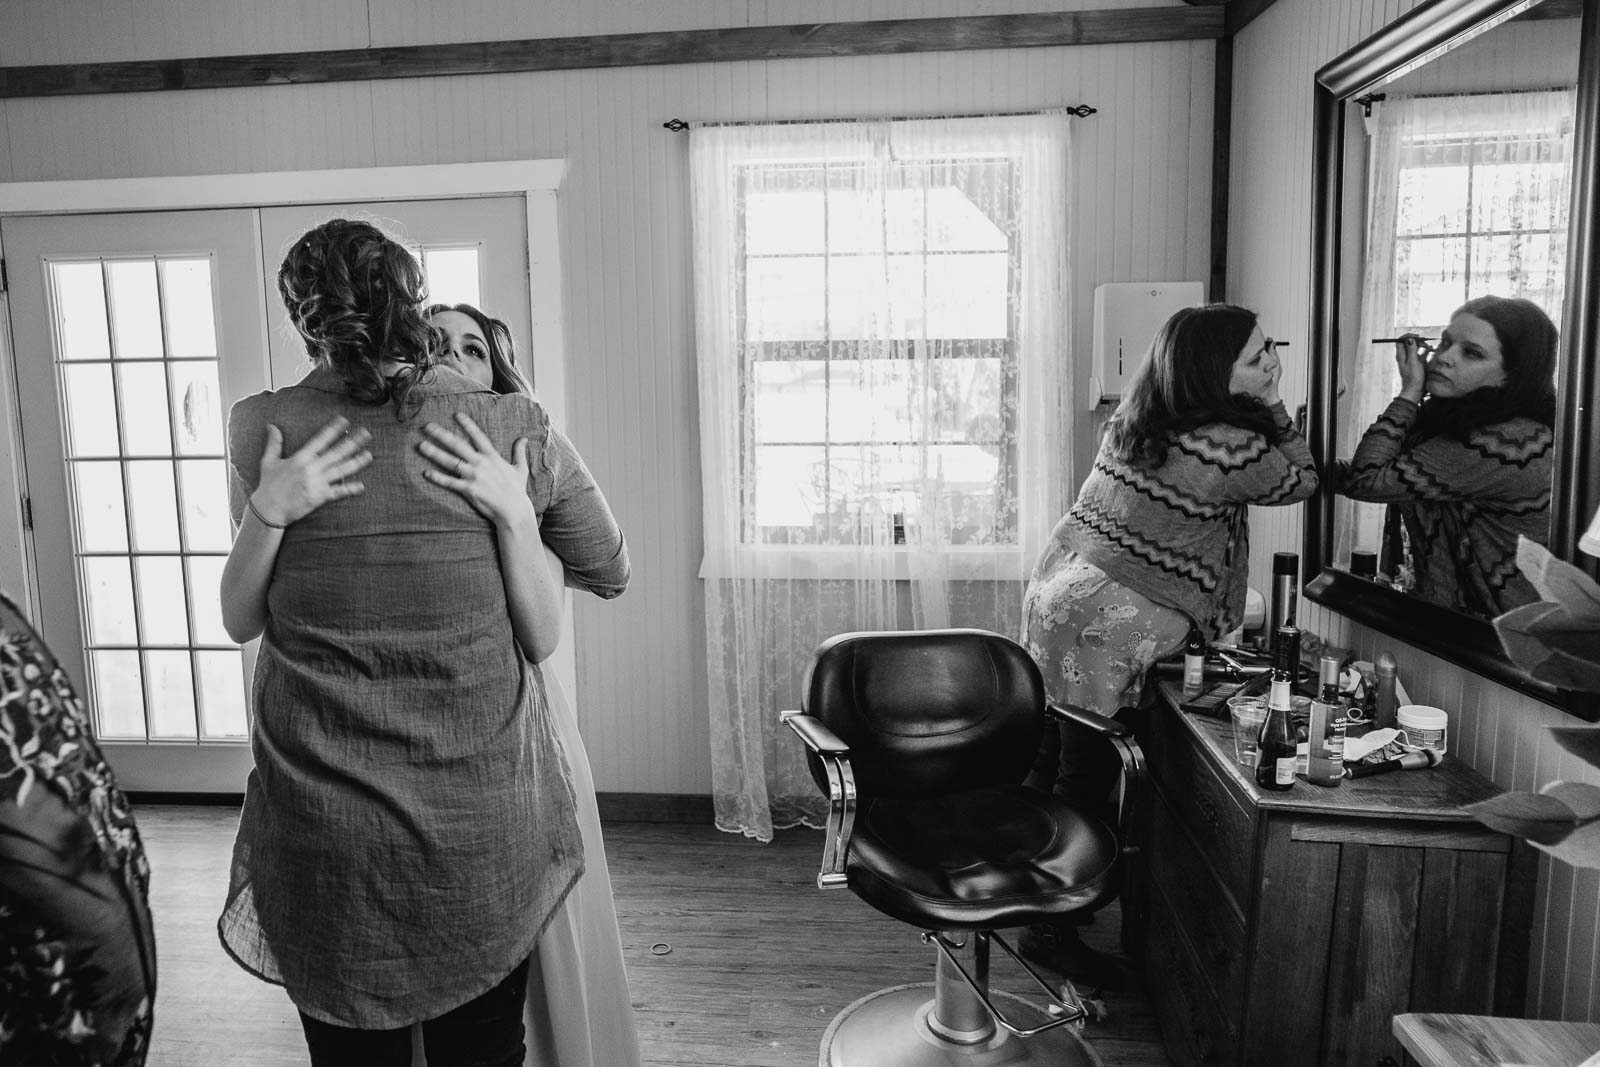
(356, 297)
(1528, 345)
(1183, 383)
(508, 378)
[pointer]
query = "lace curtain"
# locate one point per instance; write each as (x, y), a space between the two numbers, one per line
(882, 340)
(1467, 197)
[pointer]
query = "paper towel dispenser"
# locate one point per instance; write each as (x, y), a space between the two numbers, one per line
(1126, 318)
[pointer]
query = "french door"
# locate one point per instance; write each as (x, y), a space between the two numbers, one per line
(132, 336)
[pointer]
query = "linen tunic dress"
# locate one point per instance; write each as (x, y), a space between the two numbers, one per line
(408, 828)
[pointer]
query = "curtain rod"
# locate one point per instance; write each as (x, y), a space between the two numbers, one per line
(1082, 111)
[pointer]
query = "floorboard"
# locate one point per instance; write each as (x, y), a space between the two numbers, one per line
(758, 961)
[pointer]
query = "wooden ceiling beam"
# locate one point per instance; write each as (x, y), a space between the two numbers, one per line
(1112, 26)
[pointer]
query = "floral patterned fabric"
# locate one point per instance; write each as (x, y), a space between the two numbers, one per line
(77, 950)
(1094, 638)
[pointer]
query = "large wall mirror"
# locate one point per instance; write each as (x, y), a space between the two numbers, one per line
(1456, 158)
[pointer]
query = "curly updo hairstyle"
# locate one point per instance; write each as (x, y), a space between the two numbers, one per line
(356, 297)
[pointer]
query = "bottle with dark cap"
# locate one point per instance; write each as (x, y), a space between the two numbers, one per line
(1276, 757)
(1285, 590)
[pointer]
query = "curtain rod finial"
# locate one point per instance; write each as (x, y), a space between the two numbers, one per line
(675, 125)
(1083, 111)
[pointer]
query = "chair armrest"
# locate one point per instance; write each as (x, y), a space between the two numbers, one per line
(1131, 784)
(817, 737)
(834, 755)
(1095, 721)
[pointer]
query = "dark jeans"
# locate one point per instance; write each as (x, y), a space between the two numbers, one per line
(486, 1032)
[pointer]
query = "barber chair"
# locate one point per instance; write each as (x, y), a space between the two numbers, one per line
(922, 740)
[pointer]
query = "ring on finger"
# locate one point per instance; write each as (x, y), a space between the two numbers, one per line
(461, 467)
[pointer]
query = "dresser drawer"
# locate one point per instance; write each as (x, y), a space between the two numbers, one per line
(1193, 1026)
(1211, 919)
(1221, 822)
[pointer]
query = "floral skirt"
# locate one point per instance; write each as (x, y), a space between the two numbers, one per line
(1094, 639)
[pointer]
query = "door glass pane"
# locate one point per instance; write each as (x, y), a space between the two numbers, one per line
(203, 487)
(80, 302)
(163, 609)
(118, 687)
(452, 275)
(135, 309)
(191, 320)
(108, 586)
(205, 584)
(197, 408)
(102, 522)
(222, 713)
(169, 689)
(142, 396)
(91, 409)
(155, 506)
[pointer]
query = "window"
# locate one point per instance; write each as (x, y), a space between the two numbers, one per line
(1481, 206)
(879, 328)
(881, 333)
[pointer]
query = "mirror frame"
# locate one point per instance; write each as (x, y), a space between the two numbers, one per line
(1575, 490)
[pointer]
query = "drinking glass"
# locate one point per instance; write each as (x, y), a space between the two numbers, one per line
(1248, 713)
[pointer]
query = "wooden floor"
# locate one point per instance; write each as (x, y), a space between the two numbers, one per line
(760, 959)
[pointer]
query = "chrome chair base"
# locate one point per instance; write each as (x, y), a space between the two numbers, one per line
(890, 1028)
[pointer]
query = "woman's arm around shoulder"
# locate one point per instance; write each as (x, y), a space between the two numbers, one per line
(576, 522)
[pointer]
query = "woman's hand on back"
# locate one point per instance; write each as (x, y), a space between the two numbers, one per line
(471, 466)
(294, 486)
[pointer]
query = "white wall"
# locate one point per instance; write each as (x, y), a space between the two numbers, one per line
(1141, 197)
(1500, 732)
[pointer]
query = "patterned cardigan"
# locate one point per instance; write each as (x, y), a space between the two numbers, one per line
(1463, 503)
(1177, 534)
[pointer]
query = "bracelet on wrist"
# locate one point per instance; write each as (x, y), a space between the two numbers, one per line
(262, 519)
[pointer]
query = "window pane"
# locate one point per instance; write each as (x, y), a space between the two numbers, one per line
(452, 275)
(91, 410)
(102, 523)
(1519, 196)
(163, 607)
(117, 686)
(170, 691)
(967, 295)
(1520, 265)
(205, 584)
(191, 320)
(143, 397)
(221, 676)
(135, 309)
(875, 400)
(791, 490)
(956, 224)
(784, 299)
(206, 524)
(857, 224)
(1432, 200)
(80, 310)
(788, 221)
(197, 408)
(791, 400)
(1431, 278)
(108, 585)
(155, 506)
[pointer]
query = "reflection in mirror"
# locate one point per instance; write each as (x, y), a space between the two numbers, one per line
(1457, 178)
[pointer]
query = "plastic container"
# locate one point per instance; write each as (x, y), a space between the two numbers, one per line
(1425, 727)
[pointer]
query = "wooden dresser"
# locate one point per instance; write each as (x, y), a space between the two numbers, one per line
(1289, 928)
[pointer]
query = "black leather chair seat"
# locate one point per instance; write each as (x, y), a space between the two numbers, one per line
(993, 857)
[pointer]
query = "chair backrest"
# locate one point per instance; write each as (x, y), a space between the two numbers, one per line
(927, 712)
